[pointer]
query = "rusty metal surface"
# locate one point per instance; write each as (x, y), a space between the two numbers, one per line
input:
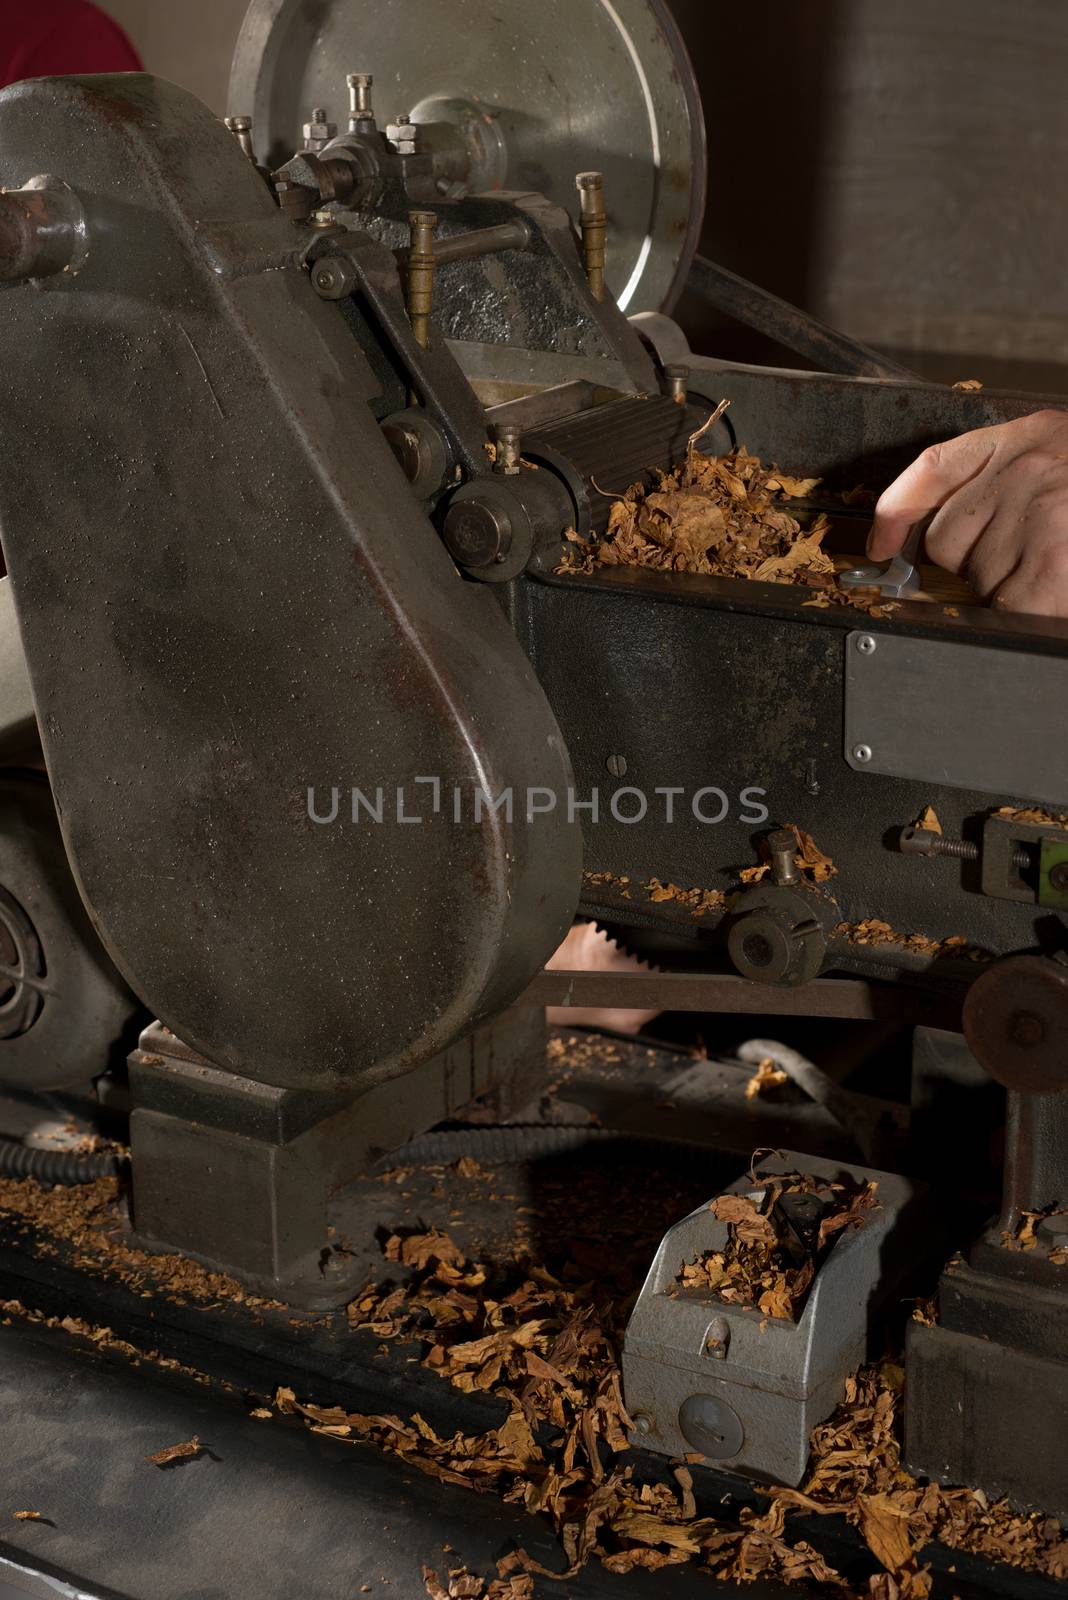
(1016, 1024)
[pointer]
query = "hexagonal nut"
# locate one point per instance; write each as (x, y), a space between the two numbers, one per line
(404, 137)
(333, 277)
(319, 131)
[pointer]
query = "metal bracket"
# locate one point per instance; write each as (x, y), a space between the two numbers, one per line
(1045, 883)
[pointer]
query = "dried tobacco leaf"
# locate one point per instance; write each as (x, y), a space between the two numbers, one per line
(766, 1077)
(874, 931)
(1035, 814)
(566, 1427)
(89, 1218)
(885, 1526)
(759, 1266)
(720, 515)
(176, 1452)
(28, 1516)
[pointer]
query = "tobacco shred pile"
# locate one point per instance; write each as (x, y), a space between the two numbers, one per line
(723, 515)
(765, 1264)
(88, 1218)
(549, 1346)
(726, 516)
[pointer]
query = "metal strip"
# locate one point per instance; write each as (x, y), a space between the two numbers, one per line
(726, 992)
(970, 716)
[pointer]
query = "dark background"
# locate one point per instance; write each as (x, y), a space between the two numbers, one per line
(901, 169)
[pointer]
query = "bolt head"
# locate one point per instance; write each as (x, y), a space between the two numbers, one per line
(1058, 877)
(333, 278)
(862, 753)
(866, 644)
(617, 766)
(1026, 1029)
(477, 533)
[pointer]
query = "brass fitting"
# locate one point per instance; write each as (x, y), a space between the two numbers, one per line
(241, 128)
(594, 226)
(421, 274)
(361, 114)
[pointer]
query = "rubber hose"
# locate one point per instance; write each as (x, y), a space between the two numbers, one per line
(521, 1142)
(53, 1166)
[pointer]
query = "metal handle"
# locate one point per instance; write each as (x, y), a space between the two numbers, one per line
(898, 577)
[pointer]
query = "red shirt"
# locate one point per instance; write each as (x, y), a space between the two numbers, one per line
(45, 38)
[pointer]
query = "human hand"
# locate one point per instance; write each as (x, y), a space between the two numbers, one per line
(1000, 498)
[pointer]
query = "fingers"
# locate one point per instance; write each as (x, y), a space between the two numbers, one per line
(1038, 584)
(933, 477)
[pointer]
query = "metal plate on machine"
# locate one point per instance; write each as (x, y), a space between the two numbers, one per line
(562, 85)
(970, 716)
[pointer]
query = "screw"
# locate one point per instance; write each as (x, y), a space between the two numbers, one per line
(866, 644)
(862, 752)
(677, 379)
(643, 1422)
(913, 841)
(617, 766)
(318, 131)
(1058, 877)
(509, 449)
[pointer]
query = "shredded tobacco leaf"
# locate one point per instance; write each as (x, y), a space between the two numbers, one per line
(87, 1217)
(28, 1516)
(550, 1348)
(766, 1077)
(1034, 814)
(1024, 1237)
(102, 1337)
(767, 1264)
(724, 515)
(873, 931)
(699, 902)
(809, 858)
(176, 1452)
(728, 517)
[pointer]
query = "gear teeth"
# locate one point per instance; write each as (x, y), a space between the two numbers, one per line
(616, 936)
